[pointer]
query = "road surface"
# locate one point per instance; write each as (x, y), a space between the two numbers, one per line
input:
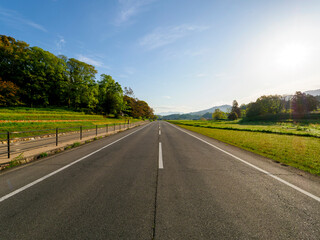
(158, 182)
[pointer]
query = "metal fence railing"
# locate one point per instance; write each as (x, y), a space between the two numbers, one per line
(19, 142)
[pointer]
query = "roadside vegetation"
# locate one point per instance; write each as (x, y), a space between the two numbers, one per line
(35, 78)
(296, 151)
(285, 129)
(41, 121)
(289, 127)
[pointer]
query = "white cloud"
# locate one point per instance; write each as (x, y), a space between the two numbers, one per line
(60, 43)
(91, 61)
(13, 18)
(166, 97)
(130, 8)
(164, 36)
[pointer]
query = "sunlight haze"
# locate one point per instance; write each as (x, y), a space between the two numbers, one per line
(180, 56)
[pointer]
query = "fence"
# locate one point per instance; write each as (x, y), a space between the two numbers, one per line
(19, 142)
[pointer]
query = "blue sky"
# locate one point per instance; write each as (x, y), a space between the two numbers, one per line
(180, 55)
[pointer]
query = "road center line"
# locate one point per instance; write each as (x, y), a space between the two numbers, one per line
(255, 167)
(160, 156)
(159, 132)
(63, 168)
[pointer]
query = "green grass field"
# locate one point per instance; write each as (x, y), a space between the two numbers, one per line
(38, 119)
(297, 151)
(290, 127)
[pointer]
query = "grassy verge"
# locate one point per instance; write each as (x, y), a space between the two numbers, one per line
(303, 128)
(42, 121)
(296, 151)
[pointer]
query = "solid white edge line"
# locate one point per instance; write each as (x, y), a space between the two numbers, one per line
(63, 168)
(255, 167)
(160, 156)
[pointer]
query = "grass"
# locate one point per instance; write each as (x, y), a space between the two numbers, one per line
(301, 128)
(296, 151)
(41, 121)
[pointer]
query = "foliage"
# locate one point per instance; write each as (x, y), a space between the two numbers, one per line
(218, 114)
(38, 78)
(233, 116)
(8, 93)
(110, 95)
(265, 105)
(137, 109)
(303, 103)
(235, 111)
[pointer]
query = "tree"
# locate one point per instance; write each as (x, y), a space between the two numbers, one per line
(39, 78)
(137, 109)
(235, 108)
(233, 116)
(9, 93)
(82, 90)
(265, 105)
(110, 95)
(235, 111)
(128, 92)
(14, 59)
(218, 114)
(302, 103)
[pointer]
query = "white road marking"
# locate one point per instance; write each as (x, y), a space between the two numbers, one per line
(159, 132)
(160, 156)
(255, 167)
(63, 168)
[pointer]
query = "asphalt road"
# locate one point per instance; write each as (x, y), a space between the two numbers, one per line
(128, 186)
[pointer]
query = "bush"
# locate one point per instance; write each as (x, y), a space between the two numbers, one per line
(233, 116)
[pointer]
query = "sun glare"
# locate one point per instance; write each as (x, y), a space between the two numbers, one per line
(292, 55)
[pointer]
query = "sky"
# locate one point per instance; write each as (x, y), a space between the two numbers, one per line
(180, 55)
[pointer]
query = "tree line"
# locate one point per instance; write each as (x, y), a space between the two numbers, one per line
(31, 76)
(273, 107)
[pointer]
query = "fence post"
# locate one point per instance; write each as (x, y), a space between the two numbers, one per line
(8, 138)
(96, 130)
(57, 134)
(80, 132)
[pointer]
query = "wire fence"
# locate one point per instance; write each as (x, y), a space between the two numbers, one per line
(19, 142)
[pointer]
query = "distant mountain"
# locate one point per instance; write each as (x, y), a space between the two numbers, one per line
(313, 92)
(195, 115)
(310, 92)
(168, 113)
(223, 108)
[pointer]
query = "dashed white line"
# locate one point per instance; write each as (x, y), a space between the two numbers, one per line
(63, 168)
(255, 167)
(160, 156)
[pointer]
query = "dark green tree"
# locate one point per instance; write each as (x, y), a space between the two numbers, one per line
(82, 90)
(110, 95)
